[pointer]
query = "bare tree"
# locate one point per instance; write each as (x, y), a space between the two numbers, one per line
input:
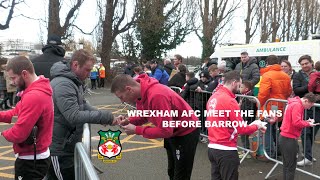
(215, 15)
(287, 18)
(54, 26)
(276, 18)
(252, 20)
(8, 5)
(113, 23)
(298, 24)
(315, 17)
(265, 17)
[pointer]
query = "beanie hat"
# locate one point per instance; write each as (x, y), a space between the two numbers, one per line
(54, 40)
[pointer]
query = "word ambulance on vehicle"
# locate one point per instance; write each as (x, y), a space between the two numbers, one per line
(291, 51)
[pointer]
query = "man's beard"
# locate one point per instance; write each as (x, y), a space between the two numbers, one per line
(235, 90)
(22, 85)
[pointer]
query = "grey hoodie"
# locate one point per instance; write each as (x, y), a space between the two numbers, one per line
(71, 111)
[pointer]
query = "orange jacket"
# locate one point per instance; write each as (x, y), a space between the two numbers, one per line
(274, 84)
(102, 72)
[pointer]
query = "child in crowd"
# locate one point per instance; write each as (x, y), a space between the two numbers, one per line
(187, 94)
(314, 81)
(246, 88)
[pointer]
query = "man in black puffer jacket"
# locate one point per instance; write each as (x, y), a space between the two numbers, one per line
(53, 52)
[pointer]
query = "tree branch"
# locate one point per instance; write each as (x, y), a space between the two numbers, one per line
(71, 14)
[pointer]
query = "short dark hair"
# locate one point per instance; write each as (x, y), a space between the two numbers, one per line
(20, 63)
(307, 57)
(179, 57)
(182, 68)
(82, 56)
(153, 61)
(247, 84)
(231, 76)
(317, 65)
(272, 59)
(121, 81)
(244, 53)
(311, 97)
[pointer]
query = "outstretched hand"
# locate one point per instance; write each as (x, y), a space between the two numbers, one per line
(311, 123)
(129, 129)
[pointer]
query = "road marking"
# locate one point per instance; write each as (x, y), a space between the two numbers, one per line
(7, 158)
(6, 175)
(6, 167)
(3, 147)
(140, 142)
(6, 152)
(126, 139)
(6, 124)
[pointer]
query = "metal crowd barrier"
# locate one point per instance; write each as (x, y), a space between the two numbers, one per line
(176, 89)
(198, 101)
(83, 167)
(125, 106)
(272, 152)
(87, 139)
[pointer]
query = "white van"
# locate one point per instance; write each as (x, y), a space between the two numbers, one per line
(284, 50)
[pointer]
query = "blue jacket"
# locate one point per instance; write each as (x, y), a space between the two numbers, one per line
(161, 75)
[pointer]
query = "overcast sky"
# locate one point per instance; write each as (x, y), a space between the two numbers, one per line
(30, 30)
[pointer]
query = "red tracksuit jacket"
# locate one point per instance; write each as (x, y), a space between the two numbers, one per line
(293, 122)
(224, 99)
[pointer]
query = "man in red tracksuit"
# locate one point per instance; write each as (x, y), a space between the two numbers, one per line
(35, 108)
(222, 150)
(291, 128)
(148, 94)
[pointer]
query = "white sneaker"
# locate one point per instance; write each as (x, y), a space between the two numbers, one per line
(304, 162)
(313, 159)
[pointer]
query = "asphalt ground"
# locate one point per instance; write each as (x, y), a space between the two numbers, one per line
(145, 159)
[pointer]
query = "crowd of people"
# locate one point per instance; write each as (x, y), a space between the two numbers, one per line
(277, 80)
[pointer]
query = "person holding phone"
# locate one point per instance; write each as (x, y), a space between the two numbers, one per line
(291, 128)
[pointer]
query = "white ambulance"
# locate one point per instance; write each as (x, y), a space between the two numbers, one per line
(284, 50)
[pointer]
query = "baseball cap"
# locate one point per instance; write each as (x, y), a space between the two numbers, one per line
(54, 39)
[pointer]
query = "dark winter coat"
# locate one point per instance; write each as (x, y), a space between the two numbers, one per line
(249, 71)
(189, 95)
(178, 80)
(300, 83)
(43, 63)
(168, 68)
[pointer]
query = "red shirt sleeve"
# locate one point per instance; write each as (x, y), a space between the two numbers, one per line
(29, 112)
(297, 115)
(6, 116)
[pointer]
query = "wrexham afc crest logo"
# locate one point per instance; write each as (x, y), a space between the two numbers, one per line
(109, 146)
